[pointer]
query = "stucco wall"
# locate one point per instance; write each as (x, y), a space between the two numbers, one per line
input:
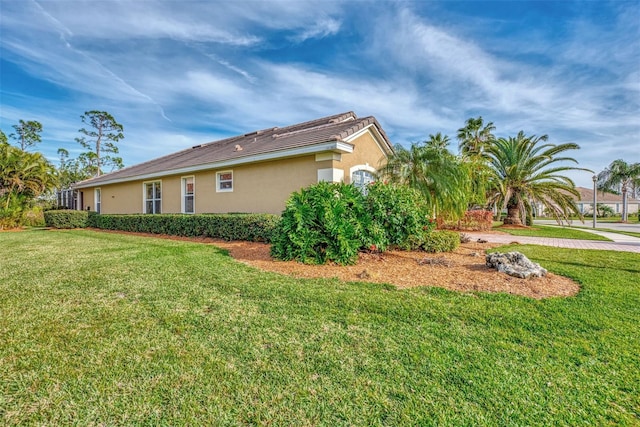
(123, 198)
(366, 152)
(260, 187)
(632, 206)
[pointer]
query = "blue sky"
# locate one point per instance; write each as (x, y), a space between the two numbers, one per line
(180, 73)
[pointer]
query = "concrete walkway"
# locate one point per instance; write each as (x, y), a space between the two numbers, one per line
(621, 242)
(615, 237)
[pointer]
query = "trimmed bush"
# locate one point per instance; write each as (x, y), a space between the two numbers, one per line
(250, 227)
(325, 222)
(441, 241)
(66, 218)
(401, 213)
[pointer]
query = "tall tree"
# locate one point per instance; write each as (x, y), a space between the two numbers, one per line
(438, 141)
(522, 172)
(71, 171)
(101, 140)
(475, 136)
(27, 134)
(621, 177)
(434, 172)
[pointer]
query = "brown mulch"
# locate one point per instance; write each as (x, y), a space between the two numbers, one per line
(463, 270)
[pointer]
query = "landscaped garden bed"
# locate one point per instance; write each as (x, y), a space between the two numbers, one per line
(463, 270)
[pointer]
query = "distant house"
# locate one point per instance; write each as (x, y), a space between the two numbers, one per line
(614, 201)
(255, 172)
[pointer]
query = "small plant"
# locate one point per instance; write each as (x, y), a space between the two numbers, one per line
(604, 211)
(441, 241)
(401, 213)
(464, 238)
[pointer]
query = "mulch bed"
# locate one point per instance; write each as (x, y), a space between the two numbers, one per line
(463, 270)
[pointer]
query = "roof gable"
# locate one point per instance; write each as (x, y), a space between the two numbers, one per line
(332, 133)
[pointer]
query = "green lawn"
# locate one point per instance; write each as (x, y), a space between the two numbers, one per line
(107, 329)
(557, 232)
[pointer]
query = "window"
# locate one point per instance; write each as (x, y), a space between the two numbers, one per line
(152, 197)
(224, 181)
(188, 192)
(98, 199)
(360, 178)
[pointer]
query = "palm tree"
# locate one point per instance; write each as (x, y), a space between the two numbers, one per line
(475, 136)
(433, 171)
(524, 172)
(23, 175)
(438, 141)
(621, 176)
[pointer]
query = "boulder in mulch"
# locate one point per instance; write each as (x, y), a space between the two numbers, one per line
(515, 264)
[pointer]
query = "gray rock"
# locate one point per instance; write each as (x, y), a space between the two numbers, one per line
(515, 264)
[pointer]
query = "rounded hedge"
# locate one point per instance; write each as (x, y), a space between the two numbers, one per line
(325, 222)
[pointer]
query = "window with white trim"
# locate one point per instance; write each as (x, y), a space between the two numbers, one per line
(361, 178)
(188, 194)
(98, 199)
(224, 181)
(153, 197)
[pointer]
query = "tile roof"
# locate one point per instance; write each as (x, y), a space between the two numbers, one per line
(336, 128)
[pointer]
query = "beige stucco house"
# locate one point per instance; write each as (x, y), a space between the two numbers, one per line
(255, 172)
(614, 201)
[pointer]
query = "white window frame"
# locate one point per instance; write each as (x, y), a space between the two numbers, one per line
(357, 168)
(219, 181)
(144, 196)
(97, 199)
(183, 193)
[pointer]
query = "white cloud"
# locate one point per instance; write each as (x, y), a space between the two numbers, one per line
(323, 28)
(200, 21)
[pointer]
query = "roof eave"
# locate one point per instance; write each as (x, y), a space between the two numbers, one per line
(335, 146)
(380, 138)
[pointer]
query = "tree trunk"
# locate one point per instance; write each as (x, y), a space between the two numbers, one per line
(513, 216)
(624, 204)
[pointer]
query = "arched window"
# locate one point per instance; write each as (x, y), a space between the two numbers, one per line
(360, 178)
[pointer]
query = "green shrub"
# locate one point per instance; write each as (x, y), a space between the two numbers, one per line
(66, 218)
(9, 216)
(441, 241)
(325, 222)
(251, 227)
(11, 212)
(333, 222)
(401, 213)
